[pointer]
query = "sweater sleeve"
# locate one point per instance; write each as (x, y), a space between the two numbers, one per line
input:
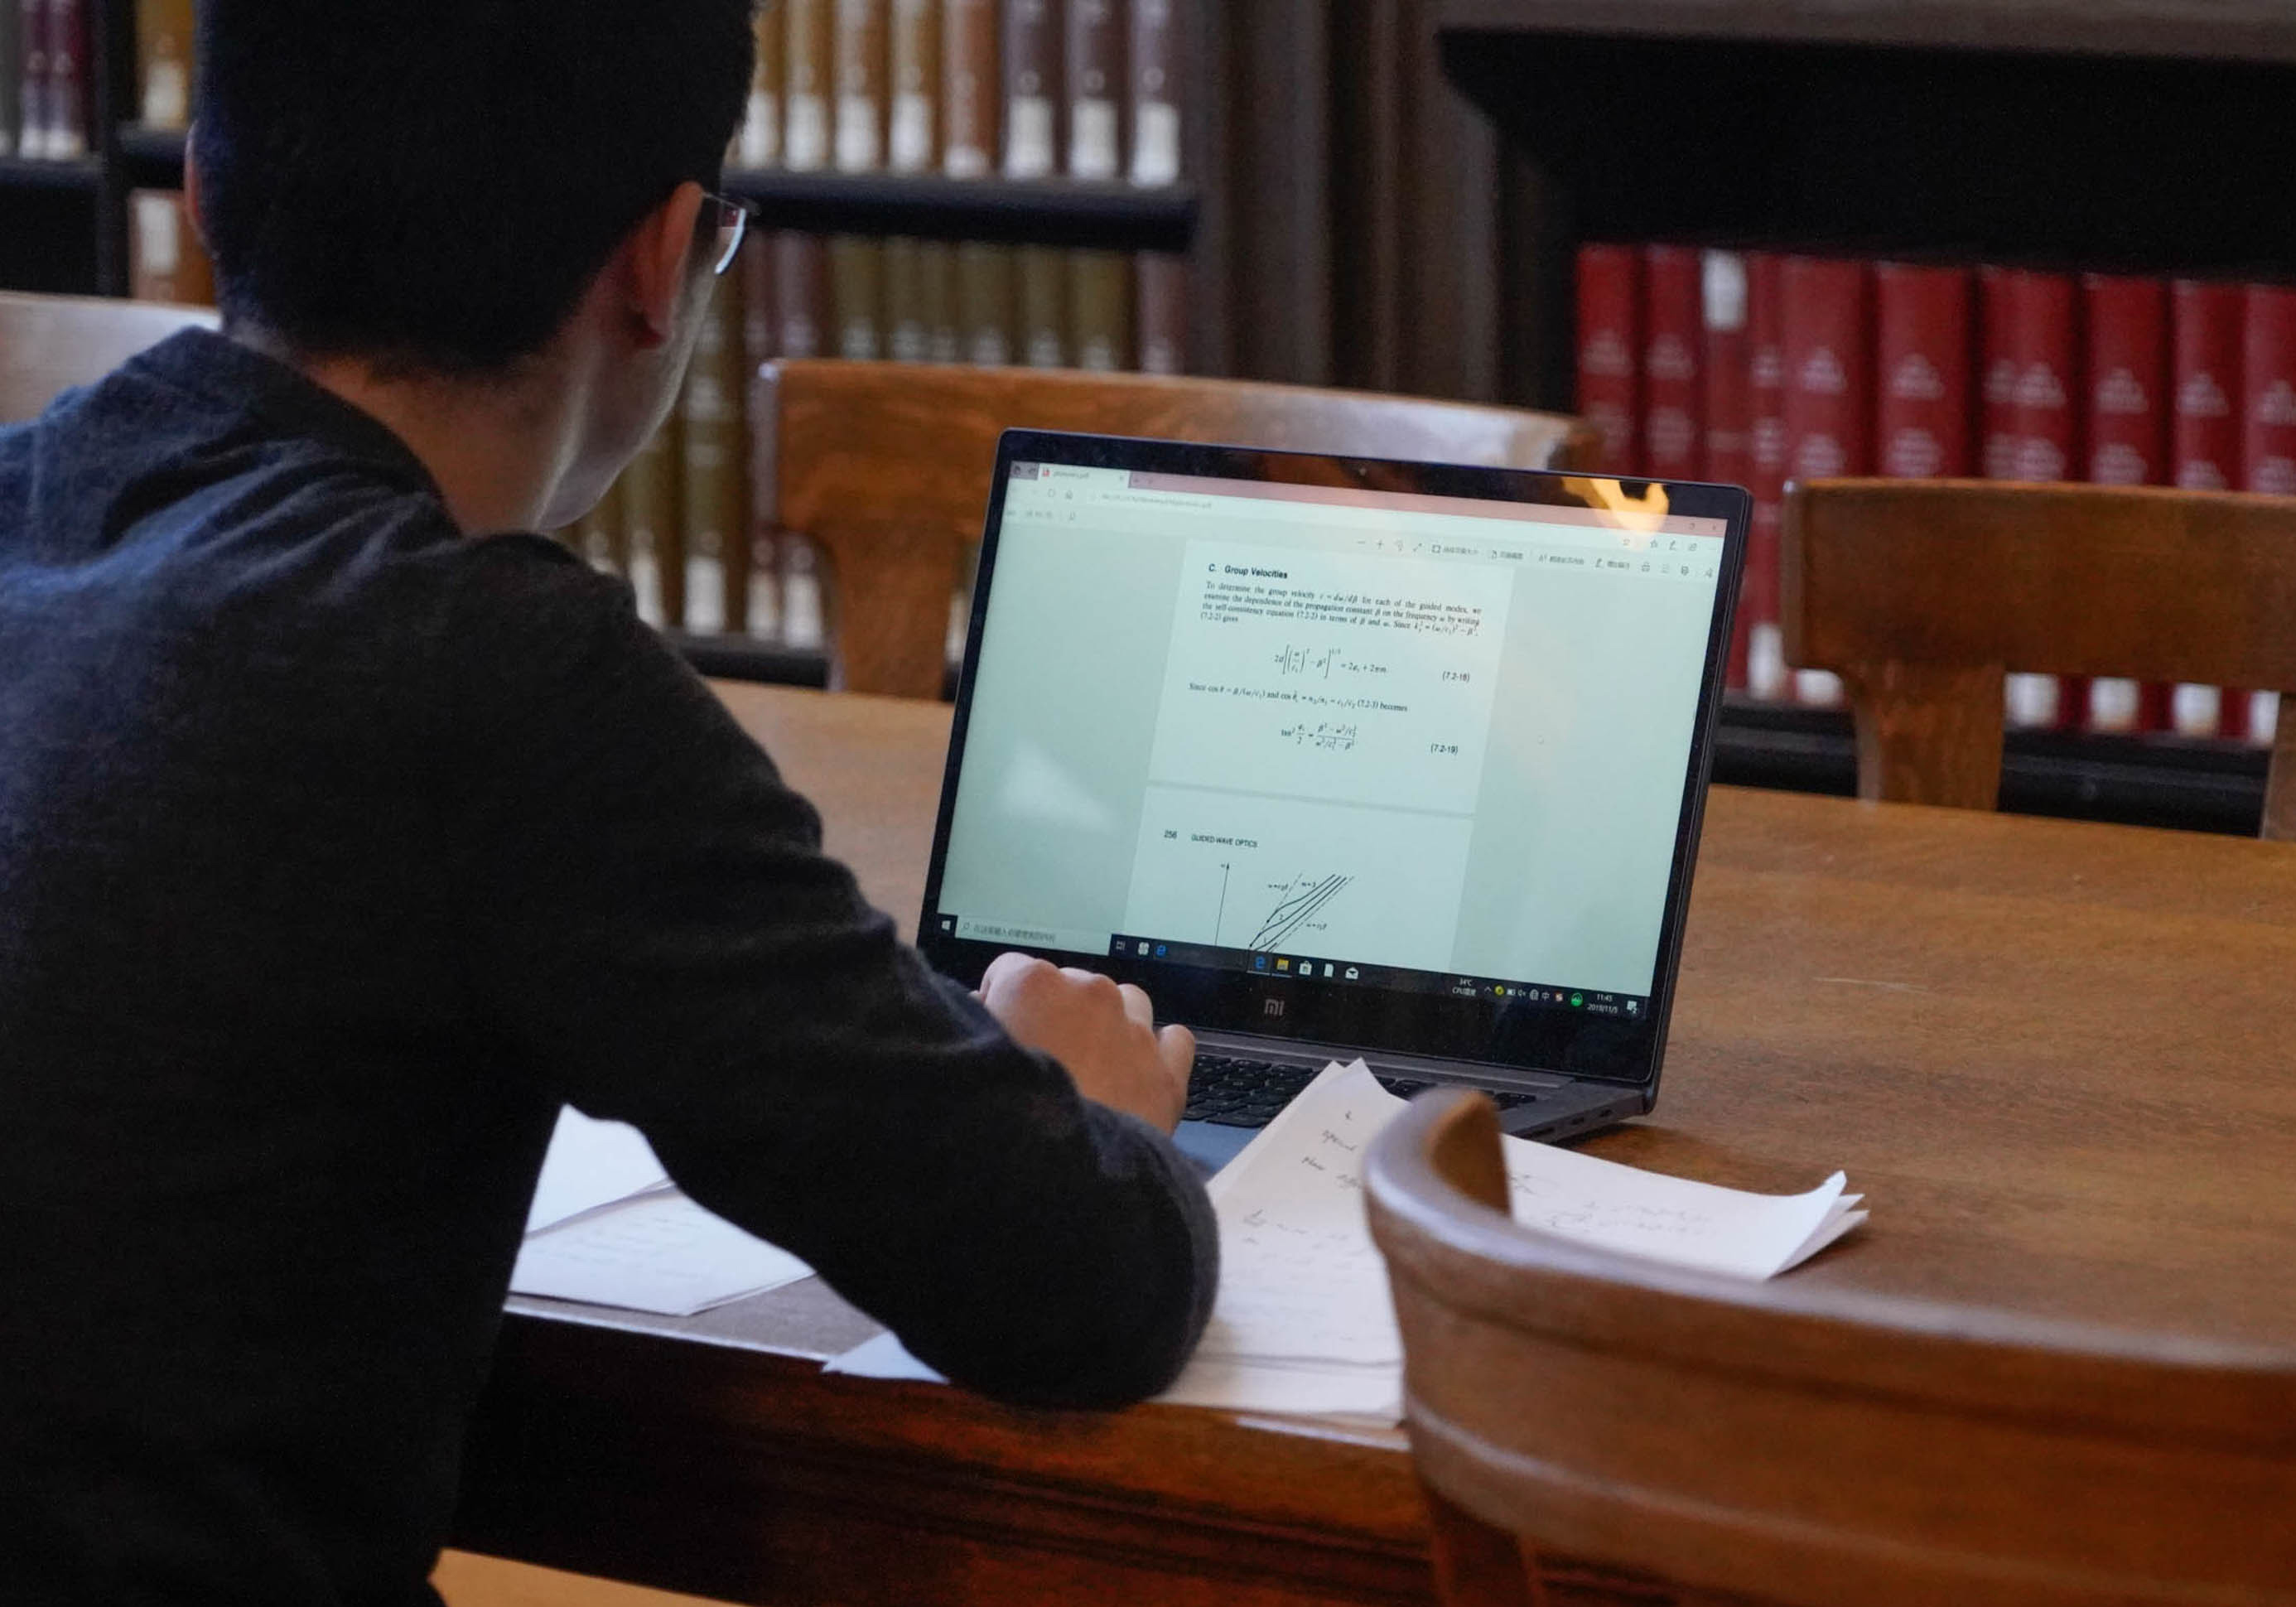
(653, 926)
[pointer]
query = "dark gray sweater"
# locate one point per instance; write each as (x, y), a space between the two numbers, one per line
(336, 851)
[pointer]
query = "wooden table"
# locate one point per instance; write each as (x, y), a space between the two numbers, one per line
(2056, 1057)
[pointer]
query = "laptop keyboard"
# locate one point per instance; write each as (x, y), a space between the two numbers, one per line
(1248, 1093)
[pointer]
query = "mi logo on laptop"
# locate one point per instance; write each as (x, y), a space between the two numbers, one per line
(1271, 1007)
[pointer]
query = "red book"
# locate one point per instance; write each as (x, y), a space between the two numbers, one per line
(1673, 397)
(2127, 427)
(2127, 414)
(2031, 346)
(2269, 426)
(2268, 391)
(1727, 406)
(2206, 325)
(1828, 336)
(1921, 358)
(1766, 395)
(2205, 339)
(1609, 338)
(1829, 367)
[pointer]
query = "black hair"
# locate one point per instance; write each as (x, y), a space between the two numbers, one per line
(431, 184)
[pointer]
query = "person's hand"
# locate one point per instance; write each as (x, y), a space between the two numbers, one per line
(1104, 1034)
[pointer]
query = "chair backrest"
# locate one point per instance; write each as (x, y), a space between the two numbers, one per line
(1920, 594)
(1799, 1443)
(886, 466)
(51, 343)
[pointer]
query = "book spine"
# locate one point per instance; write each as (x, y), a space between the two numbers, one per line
(652, 517)
(759, 143)
(1032, 62)
(1155, 74)
(163, 53)
(12, 76)
(32, 79)
(761, 295)
(908, 338)
(759, 264)
(857, 296)
(1044, 306)
(1922, 359)
(614, 516)
(1100, 310)
(1921, 329)
(165, 259)
(1673, 393)
(2204, 320)
(802, 278)
(913, 140)
(1727, 453)
(68, 66)
(1610, 343)
(860, 46)
(1828, 329)
(809, 64)
(2126, 425)
(714, 503)
(595, 532)
(2268, 431)
(970, 74)
(1163, 316)
(987, 304)
(2269, 391)
(937, 293)
(1095, 80)
(804, 618)
(1766, 396)
(2032, 347)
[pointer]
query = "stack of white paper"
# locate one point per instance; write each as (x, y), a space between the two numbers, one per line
(1303, 1322)
(607, 1227)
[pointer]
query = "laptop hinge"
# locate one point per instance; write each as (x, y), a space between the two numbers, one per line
(1293, 1052)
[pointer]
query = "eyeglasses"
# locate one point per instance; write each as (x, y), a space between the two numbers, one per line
(729, 220)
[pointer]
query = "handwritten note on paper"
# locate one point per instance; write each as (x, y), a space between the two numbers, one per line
(1302, 1286)
(1299, 1277)
(1303, 1324)
(660, 1252)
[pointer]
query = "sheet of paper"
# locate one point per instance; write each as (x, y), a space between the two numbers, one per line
(884, 1356)
(1373, 1394)
(659, 1253)
(1299, 1277)
(1672, 1220)
(591, 1163)
(1303, 1322)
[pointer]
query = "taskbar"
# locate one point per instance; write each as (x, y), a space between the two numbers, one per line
(1388, 979)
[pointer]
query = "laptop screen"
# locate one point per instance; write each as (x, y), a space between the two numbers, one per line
(1290, 739)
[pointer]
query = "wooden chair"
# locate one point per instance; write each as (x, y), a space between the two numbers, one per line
(51, 343)
(1920, 594)
(1794, 1442)
(885, 466)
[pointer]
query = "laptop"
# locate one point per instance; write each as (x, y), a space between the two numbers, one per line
(1342, 757)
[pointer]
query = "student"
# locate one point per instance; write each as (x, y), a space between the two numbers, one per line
(345, 832)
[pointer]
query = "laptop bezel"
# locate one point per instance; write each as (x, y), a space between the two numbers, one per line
(1467, 1032)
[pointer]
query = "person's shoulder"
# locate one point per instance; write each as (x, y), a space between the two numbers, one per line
(528, 593)
(524, 624)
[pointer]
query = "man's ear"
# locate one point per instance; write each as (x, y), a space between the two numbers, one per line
(656, 255)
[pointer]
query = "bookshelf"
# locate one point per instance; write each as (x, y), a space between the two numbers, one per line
(2134, 136)
(2141, 136)
(82, 247)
